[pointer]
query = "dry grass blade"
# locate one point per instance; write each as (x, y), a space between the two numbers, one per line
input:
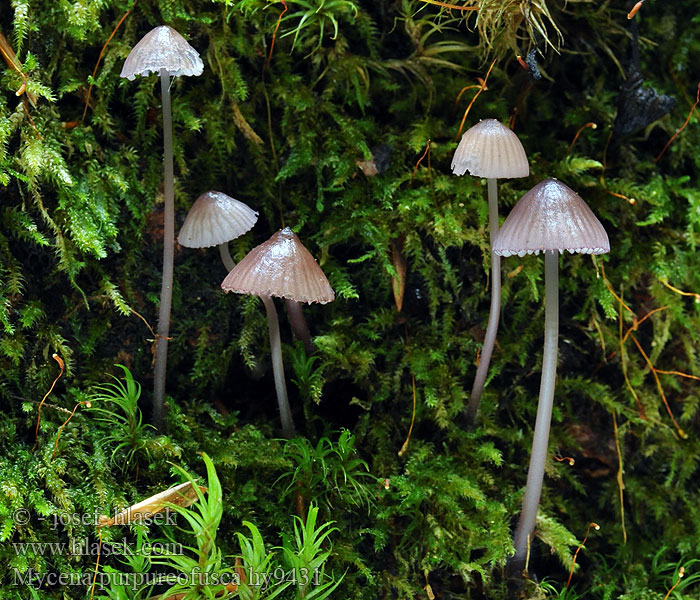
(181, 495)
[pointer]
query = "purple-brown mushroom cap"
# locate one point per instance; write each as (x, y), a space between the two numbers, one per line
(280, 267)
(489, 149)
(551, 216)
(214, 219)
(162, 48)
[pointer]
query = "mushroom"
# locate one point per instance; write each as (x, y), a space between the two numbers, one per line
(281, 267)
(214, 220)
(491, 150)
(164, 51)
(550, 218)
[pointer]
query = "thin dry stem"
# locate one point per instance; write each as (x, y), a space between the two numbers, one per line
(482, 87)
(675, 135)
(99, 58)
(573, 561)
(62, 365)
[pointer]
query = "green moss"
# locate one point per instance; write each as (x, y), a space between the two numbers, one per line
(285, 129)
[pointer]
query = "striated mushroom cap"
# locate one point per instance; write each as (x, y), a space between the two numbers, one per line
(281, 267)
(214, 219)
(551, 216)
(489, 149)
(162, 48)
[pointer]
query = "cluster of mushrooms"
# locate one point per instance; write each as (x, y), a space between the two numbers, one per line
(280, 267)
(550, 218)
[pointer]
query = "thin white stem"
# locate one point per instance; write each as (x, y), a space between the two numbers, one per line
(278, 367)
(166, 292)
(297, 321)
(226, 257)
(482, 369)
(538, 457)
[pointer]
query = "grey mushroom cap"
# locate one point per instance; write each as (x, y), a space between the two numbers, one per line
(280, 267)
(215, 218)
(551, 216)
(162, 48)
(489, 149)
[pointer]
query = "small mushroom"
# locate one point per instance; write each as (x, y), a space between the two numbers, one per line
(280, 267)
(491, 150)
(550, 218)
(164, 51)
(214, 220)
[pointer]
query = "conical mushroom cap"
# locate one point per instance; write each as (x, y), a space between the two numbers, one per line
(551, 216)
(489, 149)
(281, 267)
(162, 48)
(214, 219)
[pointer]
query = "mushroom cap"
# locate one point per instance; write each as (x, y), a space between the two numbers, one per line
(162, 48)
(489, 149)
(551, 216)
(214, 219)
(281, 267)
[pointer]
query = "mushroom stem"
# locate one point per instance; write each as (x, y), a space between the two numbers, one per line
(278, 367)
(298, 323)
(166, 292)
(538, 457)
(226, 257)
(482, 369)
